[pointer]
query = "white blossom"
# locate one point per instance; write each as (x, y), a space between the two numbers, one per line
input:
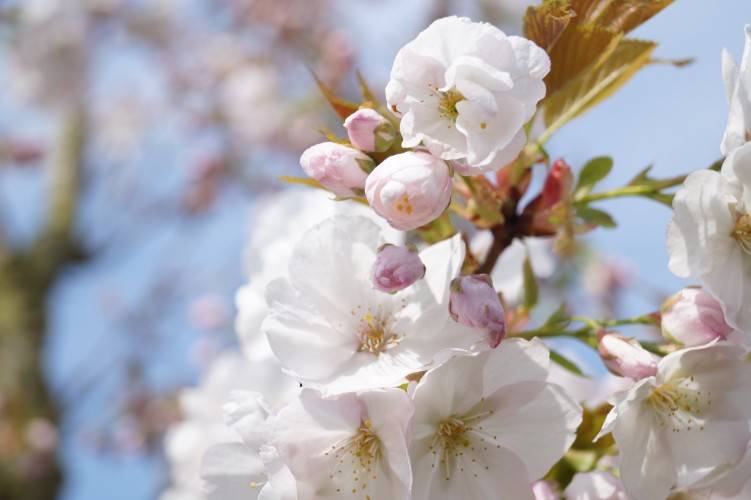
(709, 238)
(465, 91)
(738, 89)
(351, 445)
(276, 227)
(203, 423)
(489, 423)
(685, 424)
(330, 327)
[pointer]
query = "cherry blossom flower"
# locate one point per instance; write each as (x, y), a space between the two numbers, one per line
(328, 326)
(709, 237)
(684, 424)
(203, 423)
(351, 444)
(465, 91)
(738, 89)
(489, 423)
(276, 228)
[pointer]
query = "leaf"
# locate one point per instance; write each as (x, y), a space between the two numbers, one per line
(565, 363)
(342, 107)
(365, 91)
(580, 48)
(593, 172)
(618, 15)
(545, 23)
(556, 322)
(597, 83)
(594, 216)
(305, 181)
(531, 291)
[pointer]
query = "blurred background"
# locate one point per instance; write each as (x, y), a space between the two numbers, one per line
(138, 139)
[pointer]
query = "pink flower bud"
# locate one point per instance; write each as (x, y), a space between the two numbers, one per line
(368, 130)
(396, 268)
(341, 169)
(544, 490)
(475, 303)
(558, 184)
(625, 357)
(409, 189)
(693, 317)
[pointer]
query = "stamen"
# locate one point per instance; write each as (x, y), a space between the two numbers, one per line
(742, 232)
(680, 405)
(364, 451)
(457, 442)
(447, 103)
(375, 335)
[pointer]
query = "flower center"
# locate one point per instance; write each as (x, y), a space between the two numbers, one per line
(458, 438)
(742, 232)
(364, 450)
(447, 102)
(680, 405)
(375, 336)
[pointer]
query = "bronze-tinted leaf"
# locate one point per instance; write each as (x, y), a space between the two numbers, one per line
(545, 23)
(596, 83)
(617, 15)
(342, 107)
(578, 48)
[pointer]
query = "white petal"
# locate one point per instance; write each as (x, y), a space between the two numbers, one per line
(302, 340)
(516, 360)
(452, 388)
(645, 462)
(536, 420)
(232, 472)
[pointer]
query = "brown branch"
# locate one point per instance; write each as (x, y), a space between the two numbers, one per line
(502, 238)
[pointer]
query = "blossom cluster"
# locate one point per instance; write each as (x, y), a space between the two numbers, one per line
(392, 368)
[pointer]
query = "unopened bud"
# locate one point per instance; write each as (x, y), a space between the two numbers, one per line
(340, 169)
(475, 303)
(693, 317)
(410, 189)
(558, 184)
(368, 130)
(396, 268)
(625, 357)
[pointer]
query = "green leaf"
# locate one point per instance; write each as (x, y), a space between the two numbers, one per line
(531, 291)
(593, 172)
(596, 83)
(558, 321)
(565, 363)
(594, 216)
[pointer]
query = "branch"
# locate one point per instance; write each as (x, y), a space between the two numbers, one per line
(56, 246)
